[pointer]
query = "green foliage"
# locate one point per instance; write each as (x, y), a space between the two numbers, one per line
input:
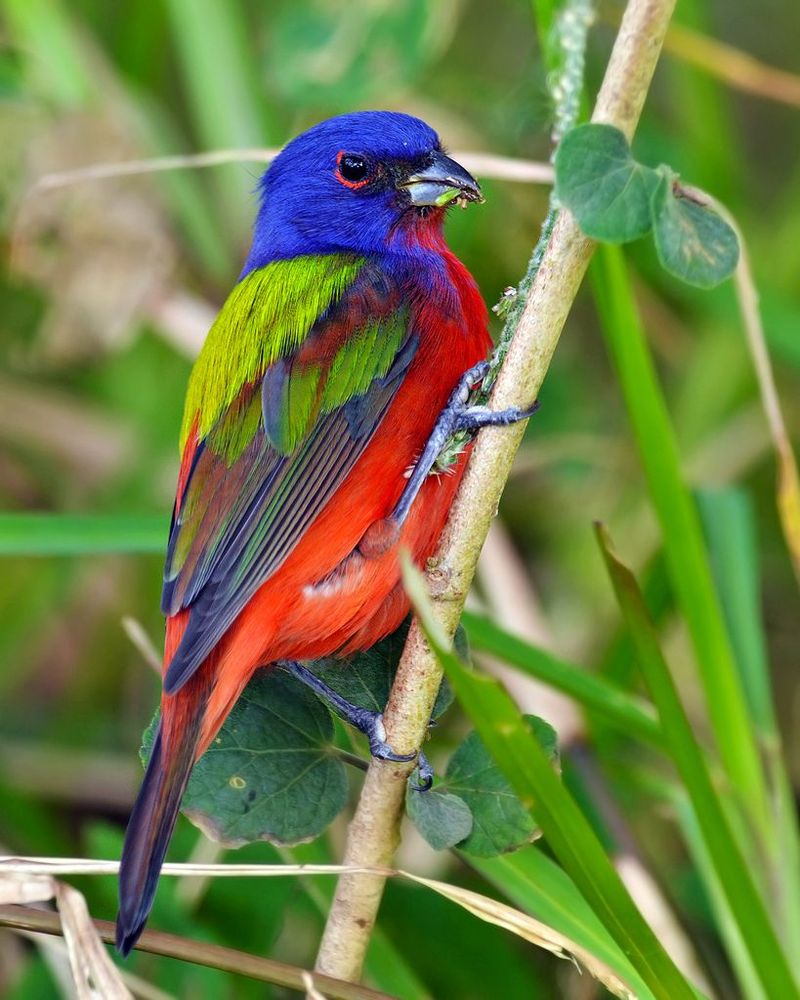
(692, 241)
(730, 864)
(500, 821)
(616, 199)
(536, 884)
(474, 806)
(270, 773)
(598, 180)
(625, 711)
(527, 768)
(684, 549)
(273, 772)
(442, 818)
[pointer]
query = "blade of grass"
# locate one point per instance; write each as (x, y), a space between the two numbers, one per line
(80, 534)
(537, 885)
(625, 711)
(528, 928)
(683, 542)
(728, 525)
(732, 869)
(738, 954)
(616, 663)
(730, 528)
(42, 30)
(221, 81)
(525, 764)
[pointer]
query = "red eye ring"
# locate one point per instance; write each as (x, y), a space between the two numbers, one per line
(352, 170)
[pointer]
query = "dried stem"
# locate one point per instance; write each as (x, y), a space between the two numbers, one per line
(215, 956)
(374, 831)
(788, 492)
(502, 168)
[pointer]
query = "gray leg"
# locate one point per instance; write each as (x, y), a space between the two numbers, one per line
(457, 416)
(363, 719)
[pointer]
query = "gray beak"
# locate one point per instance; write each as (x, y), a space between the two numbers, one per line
(440, 182)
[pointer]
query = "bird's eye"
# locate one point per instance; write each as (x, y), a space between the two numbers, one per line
(352, 170)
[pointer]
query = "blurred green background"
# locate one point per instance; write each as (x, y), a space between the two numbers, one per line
(108, 285)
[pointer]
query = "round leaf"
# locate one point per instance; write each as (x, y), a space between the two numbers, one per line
(693, 241)
(500, 821)
(269, 774)
(442, 818)
(599, 181)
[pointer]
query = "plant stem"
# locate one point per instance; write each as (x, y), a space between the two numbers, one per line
(375, 829)
(215, 956)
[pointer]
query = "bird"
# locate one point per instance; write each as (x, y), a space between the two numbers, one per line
(342, 361)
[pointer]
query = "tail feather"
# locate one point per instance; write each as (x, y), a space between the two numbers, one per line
(149, 831)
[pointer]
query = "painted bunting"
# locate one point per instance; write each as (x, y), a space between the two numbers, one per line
(338, 367)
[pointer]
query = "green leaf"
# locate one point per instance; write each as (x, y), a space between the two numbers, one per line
(270, 773)
(693, 241)
(627, 712)
(732, 868)
(728, 523)
(684, 550)
(500, 821)
(599, 181)
(535, 883)
(80, 534)
(365, 679)
(442, 818)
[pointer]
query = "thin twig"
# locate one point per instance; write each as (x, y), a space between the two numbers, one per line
(788, 486)
(788, 490)
(374, 830)
(200, 953)
(136, 632)
(734, 67)
(738, 69)
(486, 165)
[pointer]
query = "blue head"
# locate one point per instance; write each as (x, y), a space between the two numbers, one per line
(366, 182)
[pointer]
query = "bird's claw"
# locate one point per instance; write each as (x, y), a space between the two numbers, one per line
(425, 774)
(371, 725)
(459, 415)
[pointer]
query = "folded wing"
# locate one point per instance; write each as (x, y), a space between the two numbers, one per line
(258, 476)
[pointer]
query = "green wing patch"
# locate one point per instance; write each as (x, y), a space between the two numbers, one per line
(300, 393)
(266, 317)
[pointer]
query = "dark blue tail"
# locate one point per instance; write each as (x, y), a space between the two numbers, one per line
(147, 837)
